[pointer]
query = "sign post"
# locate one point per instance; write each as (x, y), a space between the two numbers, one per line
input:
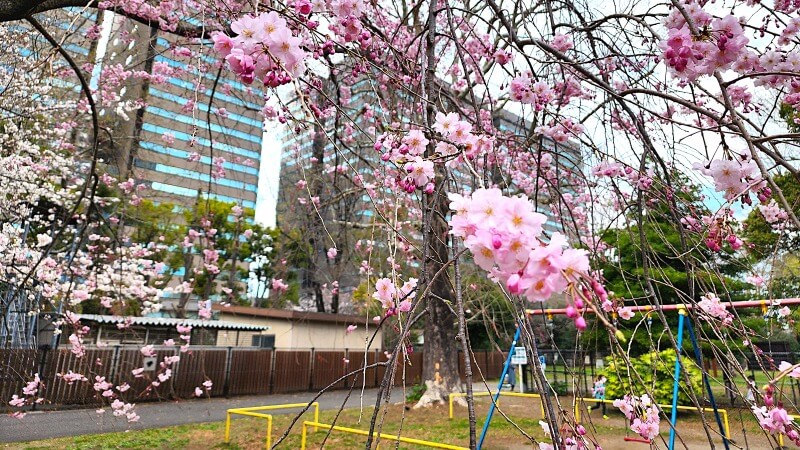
(543, 363)
(519, 358)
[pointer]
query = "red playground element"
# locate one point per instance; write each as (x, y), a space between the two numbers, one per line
(636, 439)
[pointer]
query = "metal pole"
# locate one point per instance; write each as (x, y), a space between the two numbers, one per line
(674, 413)
(499, 388)
(699, 357)
(678, 307)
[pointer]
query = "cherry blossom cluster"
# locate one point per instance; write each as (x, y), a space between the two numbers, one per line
(773, 418)
(395, 300)
(575, 440)
(30, 395)
(642, 414)
(207, 385)
(166, 13)
(713, 307)
(504, 235)
(407, 152)
(539, 93)
(780, 314)
(689, 56)
(773, 214)
(562, 130)
(264, 49)
(733, 177)
(721, 231)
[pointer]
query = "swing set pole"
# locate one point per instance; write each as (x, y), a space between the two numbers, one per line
(674, 413)
(499, 388)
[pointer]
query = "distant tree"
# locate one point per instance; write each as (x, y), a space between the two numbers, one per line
(775, 242)
(666, 229)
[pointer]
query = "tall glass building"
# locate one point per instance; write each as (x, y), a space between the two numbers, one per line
(196, 115)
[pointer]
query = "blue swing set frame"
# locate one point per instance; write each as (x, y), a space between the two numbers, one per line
(682, 323)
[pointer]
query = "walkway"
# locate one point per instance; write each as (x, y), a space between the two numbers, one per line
(50, 424)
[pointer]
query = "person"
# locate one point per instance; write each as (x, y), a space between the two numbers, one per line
(599, 393)
(751, 389)
(511, 376)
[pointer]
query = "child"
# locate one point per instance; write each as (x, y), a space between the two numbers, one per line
(599, 393)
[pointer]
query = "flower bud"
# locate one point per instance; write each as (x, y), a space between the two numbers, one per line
(496, 241)
(513, 283)
(571, 312)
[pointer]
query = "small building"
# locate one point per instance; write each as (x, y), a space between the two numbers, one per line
(300, 329)
(106, 330)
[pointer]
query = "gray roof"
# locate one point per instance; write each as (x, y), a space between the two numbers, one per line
(170, 322)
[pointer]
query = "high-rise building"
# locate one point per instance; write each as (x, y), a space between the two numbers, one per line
(198, 120)
(317, 194)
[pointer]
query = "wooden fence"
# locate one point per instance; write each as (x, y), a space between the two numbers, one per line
(232, 370)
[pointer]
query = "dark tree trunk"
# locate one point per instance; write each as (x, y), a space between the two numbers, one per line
(316, 227)
(440, 360)
(180, 308)
(335, 302)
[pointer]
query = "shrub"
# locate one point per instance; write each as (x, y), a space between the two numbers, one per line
(415, 392)
(560, 387)
(656, 370)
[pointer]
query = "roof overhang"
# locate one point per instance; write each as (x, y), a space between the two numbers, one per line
(171, 322)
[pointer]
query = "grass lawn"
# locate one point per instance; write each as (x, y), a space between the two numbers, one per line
(429, 424)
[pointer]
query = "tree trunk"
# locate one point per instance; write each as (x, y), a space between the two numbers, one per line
(319, 300)
(188, 273)
(440, 360)
(335, 302)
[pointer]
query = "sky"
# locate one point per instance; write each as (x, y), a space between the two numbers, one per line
(268, 176)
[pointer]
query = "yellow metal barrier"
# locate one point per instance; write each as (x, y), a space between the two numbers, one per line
(306, 424)
(251, 413)
(486, 394)
(780, 435)
(723, 412)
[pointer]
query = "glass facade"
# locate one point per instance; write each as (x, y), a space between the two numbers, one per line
(181, 121)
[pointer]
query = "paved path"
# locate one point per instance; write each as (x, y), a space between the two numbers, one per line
(43, 425)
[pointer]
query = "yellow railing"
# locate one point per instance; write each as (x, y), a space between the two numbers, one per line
(723, 412)
(780, 435)
(306, 424)
(251, 413)
(486, 394)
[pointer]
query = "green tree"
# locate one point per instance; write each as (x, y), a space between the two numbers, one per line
(777, 247)
(656, 370)
(676, 258)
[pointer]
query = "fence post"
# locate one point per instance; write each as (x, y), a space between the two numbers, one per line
(228, 362)
(347, 366)
(375, 372)
(271, 389)
(113, 371)
(311, 371)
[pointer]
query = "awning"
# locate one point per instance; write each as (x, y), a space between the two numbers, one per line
(171, 322)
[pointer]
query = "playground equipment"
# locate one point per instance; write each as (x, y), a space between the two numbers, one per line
(722, 412)
(499, 389)
(316, 424)
(682, 311)
(252, 412)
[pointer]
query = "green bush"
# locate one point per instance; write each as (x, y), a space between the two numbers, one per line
(656, 370)
(560, 387)
(414, 393)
